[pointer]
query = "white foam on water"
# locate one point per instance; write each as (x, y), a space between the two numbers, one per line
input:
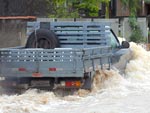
(111, 93)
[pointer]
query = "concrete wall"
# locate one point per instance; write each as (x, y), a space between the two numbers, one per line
(121, 28)
(12, 33)
(126, 30)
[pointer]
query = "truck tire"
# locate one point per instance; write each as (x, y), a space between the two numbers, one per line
(42, 38)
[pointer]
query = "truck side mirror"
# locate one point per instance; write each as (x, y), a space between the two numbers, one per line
(125, 44)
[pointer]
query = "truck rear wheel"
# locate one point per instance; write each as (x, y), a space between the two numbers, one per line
(42, 38)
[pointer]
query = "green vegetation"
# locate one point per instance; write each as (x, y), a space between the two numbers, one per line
(106, 8)
(133, 6)
(76, 8)
(137, 35)
(147, 1)
(88, 8)
(62, 9)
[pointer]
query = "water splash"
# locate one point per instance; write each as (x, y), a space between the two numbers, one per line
(111, 90)
(139, 65)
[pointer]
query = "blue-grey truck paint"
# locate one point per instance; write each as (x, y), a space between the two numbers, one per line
(91, 49)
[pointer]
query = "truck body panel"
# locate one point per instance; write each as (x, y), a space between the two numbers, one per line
(52, 62)
(84, 48)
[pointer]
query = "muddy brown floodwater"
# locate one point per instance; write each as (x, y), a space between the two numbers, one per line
(111, 93)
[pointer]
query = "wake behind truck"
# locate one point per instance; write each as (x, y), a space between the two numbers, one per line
(60, 55)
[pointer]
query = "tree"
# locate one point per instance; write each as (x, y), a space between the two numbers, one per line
(54, 8)
(106, 7)
(62, 9)
(147, 1)
(89, 8)
(78, 8)
(133, 6)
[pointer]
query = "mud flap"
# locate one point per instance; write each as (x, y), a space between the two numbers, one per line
(88, 82)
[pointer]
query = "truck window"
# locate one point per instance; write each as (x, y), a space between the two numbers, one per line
(114, 41)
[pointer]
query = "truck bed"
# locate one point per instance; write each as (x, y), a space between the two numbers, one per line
(59, 62)
(83, 48)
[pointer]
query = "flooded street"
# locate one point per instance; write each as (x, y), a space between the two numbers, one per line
(112, 93)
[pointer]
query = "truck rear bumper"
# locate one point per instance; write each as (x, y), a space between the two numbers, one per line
(46, 83)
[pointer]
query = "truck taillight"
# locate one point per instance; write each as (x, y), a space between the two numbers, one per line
(73, 84)
(52, 69)
(22, 69)
(78, 83)
(68, 84)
